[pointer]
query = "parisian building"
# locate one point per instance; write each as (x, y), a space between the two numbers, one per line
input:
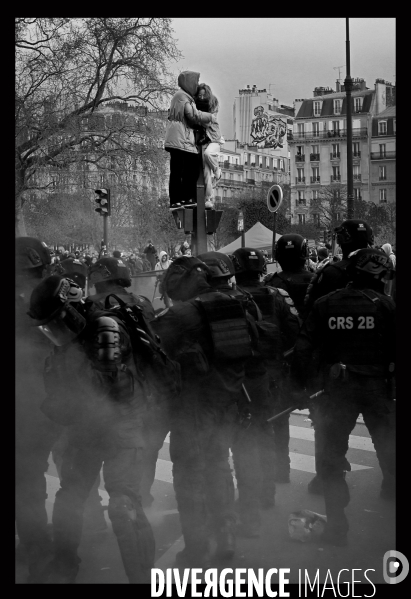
(318, 145)
(383, 156)
(258, 156)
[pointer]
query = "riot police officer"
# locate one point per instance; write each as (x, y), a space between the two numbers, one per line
(198, 332)
(352, 234)
(94, 520)
(35, 432)
(292, 253)
(350, 336)
(93, 385)
(264, 376)
(111, 275)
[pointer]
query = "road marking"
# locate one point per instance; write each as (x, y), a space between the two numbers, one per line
(355, 442)
(300, 432)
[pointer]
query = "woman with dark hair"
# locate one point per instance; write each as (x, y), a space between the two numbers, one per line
(211, 140)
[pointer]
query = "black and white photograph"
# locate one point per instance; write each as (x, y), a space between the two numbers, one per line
(205, 312)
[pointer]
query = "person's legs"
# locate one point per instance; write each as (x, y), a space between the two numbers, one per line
(210, 166)
(156, 428)
(191, 171)
(176, 176)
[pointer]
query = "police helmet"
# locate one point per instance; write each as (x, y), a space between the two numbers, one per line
(220, 264)
(370, 262)
(109, 269)
(183, 277)
(75, 269)
(291, 248)
(52, 310)
(248, 259)
(31, 253)
(355, 232)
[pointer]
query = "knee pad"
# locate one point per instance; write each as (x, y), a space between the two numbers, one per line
(121, 508)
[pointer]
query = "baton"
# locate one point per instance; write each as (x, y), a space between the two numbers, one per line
(289, 410)
(246, 393)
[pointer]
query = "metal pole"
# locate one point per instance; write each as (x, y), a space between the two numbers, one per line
(243, 238)
(348, 83)
(199, 236)
(274, 233)
(105, 231)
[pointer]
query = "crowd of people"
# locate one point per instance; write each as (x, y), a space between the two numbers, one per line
(101, 381)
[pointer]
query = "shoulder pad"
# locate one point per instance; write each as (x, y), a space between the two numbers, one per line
(282, 292)
(107, 323)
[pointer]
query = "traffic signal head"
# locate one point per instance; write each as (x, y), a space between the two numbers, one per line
(103, 201)
(212, 220)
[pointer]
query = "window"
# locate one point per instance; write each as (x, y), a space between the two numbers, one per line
(267, 162)
(382, 128)
(317, 108)
(300, 127)
(356, 172)
(231, 176)
(316, 129)
(382, 151)
(102, 184)
(224, 193)
(301, 198)
(357, 193)
(337, 106)
(383, 196)
(336, 150)
(315, 194)
(316, 218)
(394, 126)
(300, 151)
(281, 164)
(338, 216)
(301, 219)
(300, 174)
(382, 173)
(336, 173)
(357, 104)
(315, 149)
(316, 175)
(356, 148)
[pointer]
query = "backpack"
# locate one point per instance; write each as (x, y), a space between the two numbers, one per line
(153, 366)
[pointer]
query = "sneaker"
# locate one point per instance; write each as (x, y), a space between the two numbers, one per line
(218, 174)
(190, 204)
(209, 205)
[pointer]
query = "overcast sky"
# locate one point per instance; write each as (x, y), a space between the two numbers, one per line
(289, 57)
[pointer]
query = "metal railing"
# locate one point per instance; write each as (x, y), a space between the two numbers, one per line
(335, 178)
(382, 178)
(334, 155)
(251, 181)
(315, 179)
(302, 202)
(357, 132)
(356, 154)
(299, 180)
(383, 155)
(314, 157)
(300, 158)
(357, 177)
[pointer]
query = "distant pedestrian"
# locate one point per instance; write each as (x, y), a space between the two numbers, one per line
(163, 262)
(150, 252)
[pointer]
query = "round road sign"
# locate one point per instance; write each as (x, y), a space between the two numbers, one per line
(274, 198)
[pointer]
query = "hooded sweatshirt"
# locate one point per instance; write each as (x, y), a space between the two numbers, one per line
(388, 250)
(183, 115)
(160, 264)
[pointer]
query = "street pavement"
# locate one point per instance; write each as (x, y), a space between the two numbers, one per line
(372, 521)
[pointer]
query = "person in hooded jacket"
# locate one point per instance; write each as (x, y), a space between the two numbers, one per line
(180, 140)
(163, 262)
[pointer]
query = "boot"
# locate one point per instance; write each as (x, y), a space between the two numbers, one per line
(64, 570)
(226, 542)
(315, 486)
(282, 473)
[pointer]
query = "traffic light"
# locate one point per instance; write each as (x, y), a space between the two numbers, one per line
(178, 216)
(212, 220)
(103, 201)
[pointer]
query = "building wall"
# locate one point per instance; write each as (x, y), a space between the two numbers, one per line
(383, 159)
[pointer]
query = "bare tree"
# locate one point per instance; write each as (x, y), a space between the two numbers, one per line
(330, 208)
(67, 70)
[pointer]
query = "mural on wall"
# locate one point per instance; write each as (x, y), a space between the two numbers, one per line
(267, 131)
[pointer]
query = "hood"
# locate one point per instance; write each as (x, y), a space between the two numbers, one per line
(387, 248)
(188, 81)
(161, 254)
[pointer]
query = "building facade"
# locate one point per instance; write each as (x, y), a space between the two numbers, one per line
(383, 157)
(318, 146)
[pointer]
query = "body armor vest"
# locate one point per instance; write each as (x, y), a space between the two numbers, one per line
(228, 327)
(295, 284)
(354, 328)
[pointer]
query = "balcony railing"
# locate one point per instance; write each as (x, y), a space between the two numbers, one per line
(383, 155)
(250, 181)
(357, 177)
(357, 132)
(382, 178)
(335, 178)
(357, 154)
(314, 157)
(315, 179)
(302, 202)
(334, 155)
(299, 180)
(300, 158)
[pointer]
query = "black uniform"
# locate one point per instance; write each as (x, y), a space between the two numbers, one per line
(352, 332)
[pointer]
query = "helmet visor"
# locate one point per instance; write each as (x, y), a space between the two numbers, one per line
(64, 326)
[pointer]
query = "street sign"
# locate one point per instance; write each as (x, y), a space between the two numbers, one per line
(274, 198)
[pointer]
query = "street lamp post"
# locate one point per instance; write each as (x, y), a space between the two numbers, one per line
(348, 83)
(240, 227)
